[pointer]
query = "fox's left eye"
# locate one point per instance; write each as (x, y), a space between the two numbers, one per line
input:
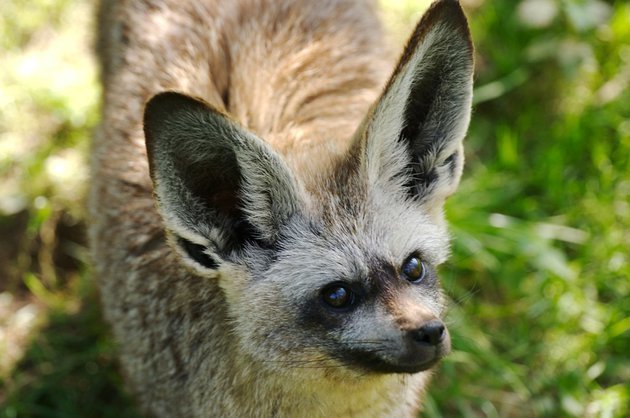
(414, 270)
(338, 296)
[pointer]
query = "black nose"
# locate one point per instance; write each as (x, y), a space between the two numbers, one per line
(431, 333)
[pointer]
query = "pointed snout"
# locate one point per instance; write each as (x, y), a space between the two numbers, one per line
(412, 339)
(425, 345)
(432, 333)
(424, 337)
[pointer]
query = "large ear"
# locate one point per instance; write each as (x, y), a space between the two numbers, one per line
(412, 139)
(218, 186)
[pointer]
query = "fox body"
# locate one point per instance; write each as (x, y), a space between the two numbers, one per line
(267, 202)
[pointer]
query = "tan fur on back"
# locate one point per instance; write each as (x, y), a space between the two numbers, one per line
(249, 57)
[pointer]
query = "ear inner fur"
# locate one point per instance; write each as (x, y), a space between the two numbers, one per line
(203, 165)
(426, 104)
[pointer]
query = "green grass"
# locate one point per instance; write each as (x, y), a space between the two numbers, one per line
(540, 272)
(69, 370)
(542, 225)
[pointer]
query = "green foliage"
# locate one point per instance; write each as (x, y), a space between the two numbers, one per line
(69, 370)
(48, 104)
(539, 277)
(540, 271)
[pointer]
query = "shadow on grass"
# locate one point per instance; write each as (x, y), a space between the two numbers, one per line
(68, 370)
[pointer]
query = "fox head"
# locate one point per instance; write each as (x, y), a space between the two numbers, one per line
(336, 271)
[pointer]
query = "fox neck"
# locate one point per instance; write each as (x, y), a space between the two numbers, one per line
(314, 394)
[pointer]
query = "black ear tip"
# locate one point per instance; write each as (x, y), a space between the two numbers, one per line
(165, 107)
(170, 101)
(172, 97)
(451, 8)
(447, 13)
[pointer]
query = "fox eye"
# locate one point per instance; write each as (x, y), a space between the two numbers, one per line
(338, 296)
(414, 269)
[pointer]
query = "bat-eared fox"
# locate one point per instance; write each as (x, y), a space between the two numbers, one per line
(266, 203)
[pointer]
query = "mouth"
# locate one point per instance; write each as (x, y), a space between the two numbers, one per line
(382, 366)
(409, 362)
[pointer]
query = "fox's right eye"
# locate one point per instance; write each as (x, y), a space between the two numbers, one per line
(338, 296)
(414, 269)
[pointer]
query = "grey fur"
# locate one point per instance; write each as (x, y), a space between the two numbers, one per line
(215, 238)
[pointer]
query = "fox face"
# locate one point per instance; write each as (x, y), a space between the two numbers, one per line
(335, 270)
(357, 293)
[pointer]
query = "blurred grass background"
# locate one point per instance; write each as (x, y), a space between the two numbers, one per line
(540, 273)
